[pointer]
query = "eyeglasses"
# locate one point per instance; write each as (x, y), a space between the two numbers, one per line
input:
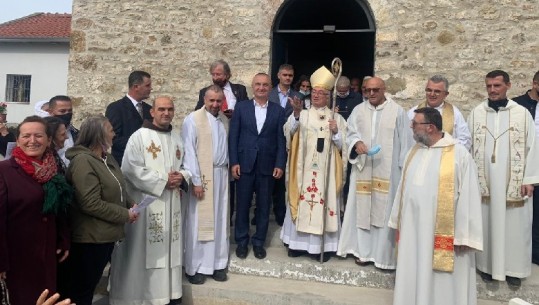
(373, 90)
(414, 123)
(435, 92)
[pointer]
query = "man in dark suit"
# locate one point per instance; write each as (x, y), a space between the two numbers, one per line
(347, 99)
(220, 75)
(127, 114)
(257, 152)
(282, 95)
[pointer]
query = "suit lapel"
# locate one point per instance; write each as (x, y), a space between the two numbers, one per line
(133, 113)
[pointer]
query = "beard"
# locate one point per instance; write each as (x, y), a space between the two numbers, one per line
(421, 138)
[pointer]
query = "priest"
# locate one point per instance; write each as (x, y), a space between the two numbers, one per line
(316, 169)
(374, 179)
(505, 150)
(146, 267)
(204, 135)
(437, 212)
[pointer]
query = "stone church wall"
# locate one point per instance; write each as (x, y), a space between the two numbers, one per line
(176, 40)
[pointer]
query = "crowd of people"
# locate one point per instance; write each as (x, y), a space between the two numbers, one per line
(423, 191)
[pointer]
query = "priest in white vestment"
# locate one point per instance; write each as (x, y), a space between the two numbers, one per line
(436, 91)
(316, 172)
(206, 226)
(505, 150)
(146, 267)
(437, 212)
(374, 178)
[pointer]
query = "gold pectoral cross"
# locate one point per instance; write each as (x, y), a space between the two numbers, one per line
(153, 149)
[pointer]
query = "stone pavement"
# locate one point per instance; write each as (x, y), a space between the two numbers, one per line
(279, 279)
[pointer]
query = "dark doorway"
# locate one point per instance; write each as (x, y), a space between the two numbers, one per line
(310, 33)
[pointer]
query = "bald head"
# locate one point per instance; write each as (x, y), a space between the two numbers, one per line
(375, 89)
(162, 112)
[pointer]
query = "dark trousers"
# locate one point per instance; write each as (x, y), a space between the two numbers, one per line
(346, 186)
(87, 262)
(279, 201)
(245, 187)
(535, 226)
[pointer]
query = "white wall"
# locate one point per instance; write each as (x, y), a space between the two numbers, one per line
(46, 62)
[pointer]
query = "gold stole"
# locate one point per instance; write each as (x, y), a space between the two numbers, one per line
(204, 148)
(372, 184)
(444, 235)
(448, 116)
(517, 146)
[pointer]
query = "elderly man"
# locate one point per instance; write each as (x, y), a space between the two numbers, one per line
(61, 106)
(437, 211)
(347, 100)
(127, 114)
(204, 135)
(316, 172)
(374, 177)
(150, 256)
(505, 150)
(529, 100)
(233, 93)
(257, 157)
(454, 123)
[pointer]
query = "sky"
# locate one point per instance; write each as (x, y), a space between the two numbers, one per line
(13, 9)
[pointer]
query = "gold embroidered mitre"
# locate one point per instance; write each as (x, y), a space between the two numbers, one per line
(322, 78)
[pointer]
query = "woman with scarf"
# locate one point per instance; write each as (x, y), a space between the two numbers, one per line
(100, 207)
(33, 200)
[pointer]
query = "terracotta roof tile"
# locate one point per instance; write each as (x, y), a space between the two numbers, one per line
(38, 25)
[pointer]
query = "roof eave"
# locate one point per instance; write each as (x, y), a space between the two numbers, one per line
(33, 39)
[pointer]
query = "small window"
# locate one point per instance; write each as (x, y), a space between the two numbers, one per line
(18, 88)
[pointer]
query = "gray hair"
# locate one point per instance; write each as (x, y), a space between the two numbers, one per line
(223, 63)
(92, 132)
(438, 79)
(343, 82)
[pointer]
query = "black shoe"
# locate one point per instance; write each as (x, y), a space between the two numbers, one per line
(513, 281)
(196, 279)
(295, 253)
(325, 256)
(485, 276)
(535, 260)
(260, 252)
(175, 302)
(220, 275)
(241, 252)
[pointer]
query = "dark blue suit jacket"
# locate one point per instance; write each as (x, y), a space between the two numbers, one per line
(247, 148)
(274, 97)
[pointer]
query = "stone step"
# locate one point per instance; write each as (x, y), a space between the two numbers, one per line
(345, 272)
(252, 290)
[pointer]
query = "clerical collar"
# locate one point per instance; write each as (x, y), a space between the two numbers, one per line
(150, 125)
(496, 105)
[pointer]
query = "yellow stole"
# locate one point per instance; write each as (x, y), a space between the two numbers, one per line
(448, 116)
(205, 162)
(444, 234)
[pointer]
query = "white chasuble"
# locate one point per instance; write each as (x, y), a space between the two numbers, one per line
(505, 150)
(151, 254)
(415, 209)
(319, 173)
